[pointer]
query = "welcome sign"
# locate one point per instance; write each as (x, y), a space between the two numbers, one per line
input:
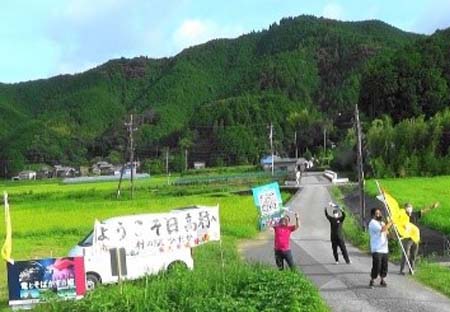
(152, 233)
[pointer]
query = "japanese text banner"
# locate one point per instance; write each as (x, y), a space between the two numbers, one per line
(150, 233)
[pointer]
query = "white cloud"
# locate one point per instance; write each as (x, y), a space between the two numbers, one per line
(334, 11)
(195, 31)
(435, 15)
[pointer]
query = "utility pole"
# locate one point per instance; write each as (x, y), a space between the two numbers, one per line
(167, 161)
(296, 145)
(130, 129)
(360, 166)
(271, 146)
(167, 165)
(121, 173)
(324, 142)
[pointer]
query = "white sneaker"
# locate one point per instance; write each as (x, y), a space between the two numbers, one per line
(337, 262)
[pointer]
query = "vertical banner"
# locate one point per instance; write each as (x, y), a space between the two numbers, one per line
(7, 246)
(267, 199)
(32, 281)
(153, 233)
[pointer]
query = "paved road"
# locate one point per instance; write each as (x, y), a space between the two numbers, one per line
(344, 287)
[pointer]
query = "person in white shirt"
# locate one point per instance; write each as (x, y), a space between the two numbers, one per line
(378, 246)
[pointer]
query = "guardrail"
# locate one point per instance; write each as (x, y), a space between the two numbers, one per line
(333, 177)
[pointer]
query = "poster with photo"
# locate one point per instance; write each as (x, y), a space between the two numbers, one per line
(32, 281)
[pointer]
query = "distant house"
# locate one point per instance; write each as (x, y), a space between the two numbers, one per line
(289, 165)
(102, 168)
(64, 172)
(26, 175)
(45, 172)
(199, 165)
(266, 161)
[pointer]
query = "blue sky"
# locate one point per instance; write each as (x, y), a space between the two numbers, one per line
(43, 38)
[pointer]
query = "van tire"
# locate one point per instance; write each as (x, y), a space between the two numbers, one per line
(176, 266)
(92, 281)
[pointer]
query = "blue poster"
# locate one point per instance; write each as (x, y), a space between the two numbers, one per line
(267, 199)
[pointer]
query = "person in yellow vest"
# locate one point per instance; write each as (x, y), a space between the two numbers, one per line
(411, 247)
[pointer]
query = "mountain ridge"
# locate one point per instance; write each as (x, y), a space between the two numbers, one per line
(315, 63)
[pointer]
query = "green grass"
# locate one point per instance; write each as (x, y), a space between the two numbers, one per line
(433, 275)
(49, 218)
(421, 193)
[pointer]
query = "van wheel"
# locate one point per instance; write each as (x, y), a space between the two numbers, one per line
(177, 266)
(92, 280)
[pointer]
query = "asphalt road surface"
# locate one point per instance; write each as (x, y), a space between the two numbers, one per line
(344, 286)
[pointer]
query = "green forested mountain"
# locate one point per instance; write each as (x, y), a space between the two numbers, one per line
(217, 99)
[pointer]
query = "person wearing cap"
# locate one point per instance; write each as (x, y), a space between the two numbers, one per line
(282, 237)
(337, 239)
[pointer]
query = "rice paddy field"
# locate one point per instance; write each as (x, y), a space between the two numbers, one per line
(421, 193)
(48, 218)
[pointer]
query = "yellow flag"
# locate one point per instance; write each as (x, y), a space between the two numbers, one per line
(7, 246)
(401, 219)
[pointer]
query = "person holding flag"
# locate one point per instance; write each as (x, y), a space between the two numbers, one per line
(378, 246)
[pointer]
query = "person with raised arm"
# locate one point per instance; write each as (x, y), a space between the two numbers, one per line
(282, 248)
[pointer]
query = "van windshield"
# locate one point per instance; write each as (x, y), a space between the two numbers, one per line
(87, 240)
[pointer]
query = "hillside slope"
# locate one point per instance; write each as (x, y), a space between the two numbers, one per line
(299, 63)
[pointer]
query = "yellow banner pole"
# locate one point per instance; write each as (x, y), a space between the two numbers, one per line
(386, 207)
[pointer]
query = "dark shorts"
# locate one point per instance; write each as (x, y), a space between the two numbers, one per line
(379, 265)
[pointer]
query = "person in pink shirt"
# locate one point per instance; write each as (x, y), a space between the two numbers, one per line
(282, 247)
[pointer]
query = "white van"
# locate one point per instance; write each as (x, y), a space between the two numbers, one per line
(130, 247)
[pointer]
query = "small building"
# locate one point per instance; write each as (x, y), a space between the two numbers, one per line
(290, 165)
(102, 168)
(199, 165)
(27, 175)
(266, 161)
(45, 172)
(64, 172)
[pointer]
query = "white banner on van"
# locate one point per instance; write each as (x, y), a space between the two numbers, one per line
(150, 233)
